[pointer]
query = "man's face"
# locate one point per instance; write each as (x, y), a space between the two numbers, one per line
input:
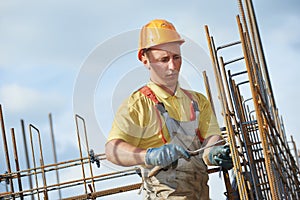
(164, 62)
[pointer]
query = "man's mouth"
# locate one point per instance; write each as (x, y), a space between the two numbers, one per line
(172, 75)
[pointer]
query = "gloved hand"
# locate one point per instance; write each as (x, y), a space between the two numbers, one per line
(165, 155)
(220, 156)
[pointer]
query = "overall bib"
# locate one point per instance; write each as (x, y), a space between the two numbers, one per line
(188, 179)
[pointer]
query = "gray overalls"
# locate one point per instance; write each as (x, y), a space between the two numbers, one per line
(188, 180)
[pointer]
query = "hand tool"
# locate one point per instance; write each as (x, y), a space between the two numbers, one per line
(156, 169)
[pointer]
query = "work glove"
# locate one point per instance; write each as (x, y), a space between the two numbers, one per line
(165, 155)
(220, 156)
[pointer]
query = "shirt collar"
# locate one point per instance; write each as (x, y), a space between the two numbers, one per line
(158, 91)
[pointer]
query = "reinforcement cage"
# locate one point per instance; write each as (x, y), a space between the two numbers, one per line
(264, 165)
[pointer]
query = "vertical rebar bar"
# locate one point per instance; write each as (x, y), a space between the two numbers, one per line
(26, 154)
(6, 149)
(245, 133)
(34, 161)
(87, 147)
(261, 122)
(226, 90)
(208, 91)
(229, 190)
(41, 160)
(42, 164)
(261, 51)
(54, 152)
(295, 150)
(81, 155)
(17, 162)
(227, 117)
(263, 63)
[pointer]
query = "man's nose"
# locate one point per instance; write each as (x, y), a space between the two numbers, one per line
(172, 64)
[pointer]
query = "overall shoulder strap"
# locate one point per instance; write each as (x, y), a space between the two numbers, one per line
(145, 90)
(194, 105)
(194, 109)
(187, 93)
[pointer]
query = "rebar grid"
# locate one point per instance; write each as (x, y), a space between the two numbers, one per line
(39, 170)
(264, 166)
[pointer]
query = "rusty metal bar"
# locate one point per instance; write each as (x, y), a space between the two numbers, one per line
(87, 147)
(226, 83)
(234, 60)
(257, 38)
(94, 195)
(47, 168)
(54, 151)
(34, 161)
(282, 156)
(6, 149)
(261, 124)
(260, 135)
(228, 45)
(282, 133)
(278, 154)
(17, 162)
(118, 189)
(34, 190)
(229, 189)
(295, 150)
(228, 186)
(41, 160)
(80, 153)
(76, 182)
(227, 117)
(208, 91)
(244, 131)
(238, 73)
(26, 154)
(42, 168)
(257, 103)
(259, 56)
(226, 90)
(215, 64)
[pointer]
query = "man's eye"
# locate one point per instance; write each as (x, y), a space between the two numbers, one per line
(164, 59)
(177, 57)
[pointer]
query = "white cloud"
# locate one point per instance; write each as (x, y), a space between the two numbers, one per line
(23, 100)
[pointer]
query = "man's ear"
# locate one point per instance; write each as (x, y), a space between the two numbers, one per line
(145, 61)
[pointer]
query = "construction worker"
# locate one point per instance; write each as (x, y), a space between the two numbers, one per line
(160, 125)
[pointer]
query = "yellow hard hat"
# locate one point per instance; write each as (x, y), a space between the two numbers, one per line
(157, 31)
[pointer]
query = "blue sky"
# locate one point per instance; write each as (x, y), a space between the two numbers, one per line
(45, 46)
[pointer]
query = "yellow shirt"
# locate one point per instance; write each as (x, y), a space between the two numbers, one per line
(137, 120)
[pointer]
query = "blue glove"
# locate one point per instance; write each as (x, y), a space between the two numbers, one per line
(220, 156)
(165, 155)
